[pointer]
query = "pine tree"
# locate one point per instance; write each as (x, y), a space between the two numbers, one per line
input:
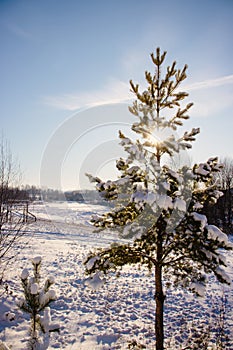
(157, 208)
(36, 302)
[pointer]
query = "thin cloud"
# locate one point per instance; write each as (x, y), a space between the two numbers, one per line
(206, 98)
(114, 92)
(17, 30)
(210, 83)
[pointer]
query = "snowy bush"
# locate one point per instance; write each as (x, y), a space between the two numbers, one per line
(36, 301)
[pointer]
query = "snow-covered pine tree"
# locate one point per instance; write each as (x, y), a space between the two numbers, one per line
(162, 211)
(36, 300)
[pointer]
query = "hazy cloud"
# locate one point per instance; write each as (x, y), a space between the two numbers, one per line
(210, 83)
(116, 91)
(17, 30)
(211, 96)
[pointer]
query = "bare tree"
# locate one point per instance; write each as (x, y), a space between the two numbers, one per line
(226, 202)
(10, 226)
(226, 174)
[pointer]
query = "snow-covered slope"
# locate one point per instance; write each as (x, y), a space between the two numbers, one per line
(117, 313)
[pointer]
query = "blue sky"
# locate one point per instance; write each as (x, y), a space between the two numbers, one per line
(59, 57)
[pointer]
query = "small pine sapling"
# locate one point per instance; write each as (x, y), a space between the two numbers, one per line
(36, 301)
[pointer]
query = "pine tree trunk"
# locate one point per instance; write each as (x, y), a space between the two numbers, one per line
(34, 323)
(159, 300)
(159, 296)
(33, 318)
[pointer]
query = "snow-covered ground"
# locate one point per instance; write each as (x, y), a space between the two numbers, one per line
(117, 313)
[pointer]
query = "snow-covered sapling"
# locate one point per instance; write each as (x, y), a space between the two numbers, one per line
(36, 300)
(160, 207)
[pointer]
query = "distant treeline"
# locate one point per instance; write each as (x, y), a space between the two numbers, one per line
(33, 193)
(220, 214)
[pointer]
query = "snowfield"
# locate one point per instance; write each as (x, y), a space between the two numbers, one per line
(120, 311)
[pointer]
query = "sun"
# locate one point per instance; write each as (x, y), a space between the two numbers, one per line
(154, 140)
